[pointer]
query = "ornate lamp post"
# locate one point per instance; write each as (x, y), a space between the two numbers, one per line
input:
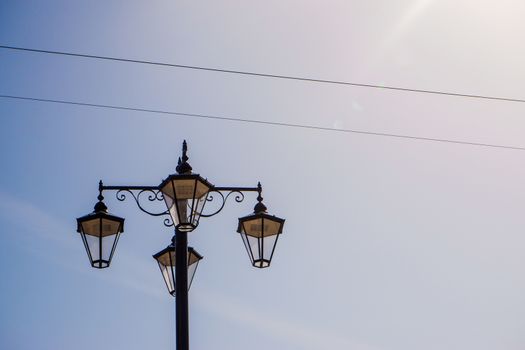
(185, 195)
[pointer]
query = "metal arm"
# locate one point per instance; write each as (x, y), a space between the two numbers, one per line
(154, 194)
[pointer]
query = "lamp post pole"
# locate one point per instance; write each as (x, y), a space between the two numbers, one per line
(181, 299)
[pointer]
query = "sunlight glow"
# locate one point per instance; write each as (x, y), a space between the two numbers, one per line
(406, 22)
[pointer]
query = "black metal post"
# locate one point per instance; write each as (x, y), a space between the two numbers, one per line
(181, 292)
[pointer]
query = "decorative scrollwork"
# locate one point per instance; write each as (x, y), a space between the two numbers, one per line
(239, 197)
(152, 196)
(168, 222)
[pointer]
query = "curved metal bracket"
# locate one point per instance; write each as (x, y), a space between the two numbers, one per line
(238, 198)
(152, 195)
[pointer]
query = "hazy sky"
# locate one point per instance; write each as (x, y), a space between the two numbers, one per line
(389, 244)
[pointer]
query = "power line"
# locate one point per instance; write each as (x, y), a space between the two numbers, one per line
(266, 75)
(242, 120)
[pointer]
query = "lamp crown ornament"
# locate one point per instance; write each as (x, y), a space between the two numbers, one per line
(183, 166)
(100, 206)
(259, 207)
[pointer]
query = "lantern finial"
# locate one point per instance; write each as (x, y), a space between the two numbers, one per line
(100, 206)
(184, 167)
(100, 186)
(259, 207)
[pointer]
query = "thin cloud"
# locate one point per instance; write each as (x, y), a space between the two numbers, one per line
(31, 225)
(277, 326)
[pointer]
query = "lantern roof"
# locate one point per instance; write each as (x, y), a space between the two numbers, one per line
(265, 216)
(100, 211)
(185, 177)
(260, 212)
(171, 248)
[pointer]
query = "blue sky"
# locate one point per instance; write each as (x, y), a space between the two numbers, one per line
(389, 243)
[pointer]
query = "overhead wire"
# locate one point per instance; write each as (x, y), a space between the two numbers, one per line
(263, 122)
(266, 75)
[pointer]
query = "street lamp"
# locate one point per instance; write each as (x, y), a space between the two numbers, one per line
(100, 232)
(259, 232)
(185, 195)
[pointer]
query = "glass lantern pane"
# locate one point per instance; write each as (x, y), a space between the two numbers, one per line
(197, 209)
(253, 246)
(268, 245)
(167, 274)
(93, 244)
(166, 263)
(191, 195)
(173, 209)
(191, 272)
(108, 243)
(175, 196)
(247, 246)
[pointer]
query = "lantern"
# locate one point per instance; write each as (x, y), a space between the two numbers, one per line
(166, 260)
(259, 232)
(100, 232)
(185, 195)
